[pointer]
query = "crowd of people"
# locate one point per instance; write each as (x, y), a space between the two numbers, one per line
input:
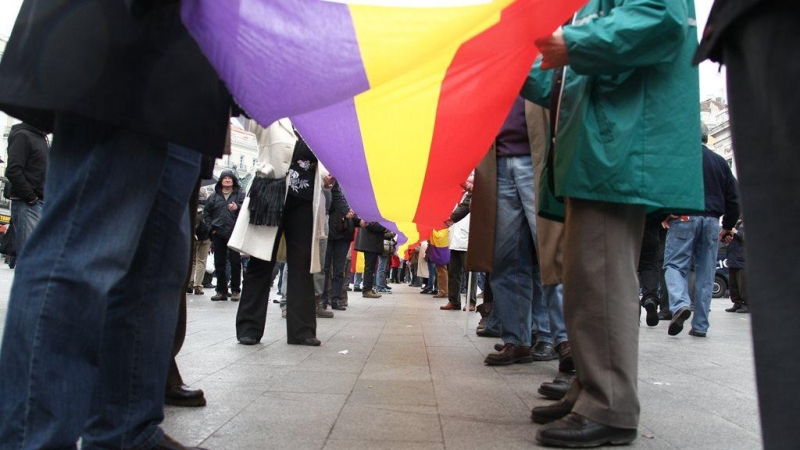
(563, 218)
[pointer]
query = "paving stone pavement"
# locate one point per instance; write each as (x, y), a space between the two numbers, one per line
(411, 380)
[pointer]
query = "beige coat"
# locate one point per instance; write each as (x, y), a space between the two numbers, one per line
(480, 255)
(276, 147)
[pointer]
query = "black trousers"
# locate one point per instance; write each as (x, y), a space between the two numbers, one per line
(649, 269)
(222, 255)
(737, 279)
(370, 261)
(763, 62)
(455, 272)
(301, 321)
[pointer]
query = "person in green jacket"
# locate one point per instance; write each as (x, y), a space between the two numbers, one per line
(625, 106)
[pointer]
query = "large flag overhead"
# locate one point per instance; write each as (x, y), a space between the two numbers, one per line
(399, 99)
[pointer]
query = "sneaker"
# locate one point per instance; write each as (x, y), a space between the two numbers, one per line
(371, 294)
(198, 290)
(220, 297)
(236, 296)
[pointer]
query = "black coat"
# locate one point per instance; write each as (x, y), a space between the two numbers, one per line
(123, 62)
(370, 238)
(219, 219)
(339, 226)
(27, 163)
(722, 16)
(735, 255)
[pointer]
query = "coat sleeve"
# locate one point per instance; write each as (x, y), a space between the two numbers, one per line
(636, 34)
(15, 170)
(339, 203)
(208, 211)
(538, 85)
(731, 201)
(462, 209)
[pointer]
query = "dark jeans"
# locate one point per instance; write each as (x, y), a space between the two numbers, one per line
(335, 261)
(370, 262)
(763, 64)
(222, 255)
(455, 270)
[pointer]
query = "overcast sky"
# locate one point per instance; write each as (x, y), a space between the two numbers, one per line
(712, 83)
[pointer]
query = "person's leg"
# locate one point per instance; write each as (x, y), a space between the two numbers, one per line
(441, 276)
(298, 221)
(380, 273)
(25, 219)
(220, 247)
(513, 256)
(648, 261)
(140, 323)
(236, 270)
(678, 251)
(251, 316)
(741, 278)
(733, 286)
(280, 277)
(370, 262)
(763, 102)
(554, 298)
(602, 244)
(705, 266)
(201, 257)
(339, 251)
(539, 312)
(327, 271)
(67, 290)
(454, 270)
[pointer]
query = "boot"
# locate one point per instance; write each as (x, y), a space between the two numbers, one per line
(321, 312)
(441, 294)
(484, 309)
(370, 294)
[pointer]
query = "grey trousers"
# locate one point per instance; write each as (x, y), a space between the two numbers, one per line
(601, 308)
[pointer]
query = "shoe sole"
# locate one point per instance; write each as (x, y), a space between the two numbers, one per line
(552, 395)
(619, 440)
(186, 402)
(524, 360)
(652, 314)
(676, 325)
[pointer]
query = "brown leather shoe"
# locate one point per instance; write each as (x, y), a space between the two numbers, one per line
(511, 354)
(471, 307)
(450, 306)
(370, 294)
(167, 443)
(441, 294)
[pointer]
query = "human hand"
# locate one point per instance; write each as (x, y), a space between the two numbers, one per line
(350, 214)
(665, 223)
(725, 235)
(233, 206)
(328, 181)
(554, 50)
(362, 224)
(448, 223)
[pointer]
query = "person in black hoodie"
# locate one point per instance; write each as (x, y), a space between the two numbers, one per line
(341, 231)
(370, 241)
(220, 213)
(27, 165)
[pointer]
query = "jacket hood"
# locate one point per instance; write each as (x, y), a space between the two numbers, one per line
(24, 127)
(227, 173)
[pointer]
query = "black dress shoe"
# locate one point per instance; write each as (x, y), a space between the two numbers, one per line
(511, 354)
(247, 340)
(550, 413)
(483, 332)
(664, 315)
(651, 307)
(338, 307)
(576, 431)
(167, 443)
(676, 324)
(181, 395)
(312, 342)
(743, 310)
(696, 333)
(565, 362)
(555, 390)
(736, 307)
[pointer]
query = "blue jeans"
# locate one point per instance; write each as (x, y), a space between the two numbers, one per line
(513, 272)
(93, 308)
(554, 299)
(25, 217)
(693, 242)
(380, 275)
(335, 260)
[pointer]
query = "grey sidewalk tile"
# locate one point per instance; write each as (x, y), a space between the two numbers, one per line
(460, 433)
(382, 392)
(479, 398)
(399, 372)
(278, 354)
(256, 375)
(349, 363)
(315, 382)
(388, 422)
(343, 444)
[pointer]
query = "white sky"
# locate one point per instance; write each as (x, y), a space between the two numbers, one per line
(712, 82)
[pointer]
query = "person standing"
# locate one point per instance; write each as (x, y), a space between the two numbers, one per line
(625, 125)
(370, 242)
(736, 270)
(202, 244)
(220, 213)
(27, 165)
(93, 308)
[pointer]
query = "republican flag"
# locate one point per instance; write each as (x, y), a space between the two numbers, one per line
(399, 99)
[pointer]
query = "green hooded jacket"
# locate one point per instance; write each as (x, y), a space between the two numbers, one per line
(628, 126)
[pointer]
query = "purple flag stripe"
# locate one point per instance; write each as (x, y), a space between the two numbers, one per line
(308, 54)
